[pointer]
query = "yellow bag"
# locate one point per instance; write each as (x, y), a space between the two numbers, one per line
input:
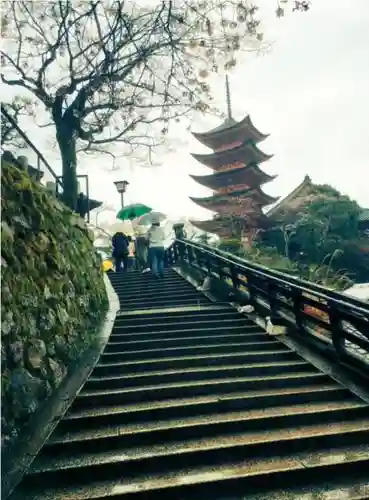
(107, 265)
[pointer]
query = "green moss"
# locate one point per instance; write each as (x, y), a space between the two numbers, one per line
(52, 288)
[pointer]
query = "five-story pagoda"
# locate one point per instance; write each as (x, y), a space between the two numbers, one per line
(236, 181)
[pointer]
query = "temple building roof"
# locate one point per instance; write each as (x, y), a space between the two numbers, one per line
(246, 153)
(251, 175)
(292, 198)
(300, 196)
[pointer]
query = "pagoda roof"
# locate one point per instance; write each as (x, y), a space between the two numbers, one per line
(226, 225)
(246, 152)
(251, 175)
(213, 226)
(230, 131)
(256, 194)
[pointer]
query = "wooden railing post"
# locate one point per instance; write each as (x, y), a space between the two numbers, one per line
(176, 251)
(234, 276)
(272, 298)
(251, 289)
(338, 338)
(297, 303)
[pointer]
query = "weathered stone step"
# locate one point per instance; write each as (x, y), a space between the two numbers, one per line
(134, 276)
(340, 488)
(160, 296)
(192, 388)
(149, 281)
(146, 293)
(199, 322)
(187, 342)
(247, 331)
(146, 290)
(140, 305)
(187, 316)
(263, 475)
(151, 412)
(193, 350)
(213, 426)
(121, 343)
(252, 452)
(172, 376)
(164, 363)
(194, 308)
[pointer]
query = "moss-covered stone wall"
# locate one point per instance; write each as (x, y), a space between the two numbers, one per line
(53, 295)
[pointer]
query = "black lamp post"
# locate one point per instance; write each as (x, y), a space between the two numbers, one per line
(121, 188)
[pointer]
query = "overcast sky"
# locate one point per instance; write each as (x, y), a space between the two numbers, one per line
(310, 93)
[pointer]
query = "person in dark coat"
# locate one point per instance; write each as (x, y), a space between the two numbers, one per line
(82, 205)
(120, 244)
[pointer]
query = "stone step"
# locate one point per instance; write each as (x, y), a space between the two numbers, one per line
(212, 426)
(182, 330)
(173, 325)
(208, 405)
(155, 304)
(120, 345)
(191, 400)
(157, 392)
(172, 376)
(264, 453)
(203, 314)
(109, 367)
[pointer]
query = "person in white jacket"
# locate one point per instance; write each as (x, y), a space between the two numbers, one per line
(156, 238)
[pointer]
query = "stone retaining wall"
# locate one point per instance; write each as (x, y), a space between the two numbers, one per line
(53, 295)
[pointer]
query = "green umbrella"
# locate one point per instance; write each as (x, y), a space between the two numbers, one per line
(133, 211)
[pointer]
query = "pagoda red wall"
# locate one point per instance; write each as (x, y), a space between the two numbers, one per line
(232, 189)
(228, 146)
(230, 166)
(240, 209)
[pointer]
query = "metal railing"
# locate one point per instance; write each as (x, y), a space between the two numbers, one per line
(333, 321)
(39, 155)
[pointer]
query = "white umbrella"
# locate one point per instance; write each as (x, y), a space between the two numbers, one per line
(150, 218)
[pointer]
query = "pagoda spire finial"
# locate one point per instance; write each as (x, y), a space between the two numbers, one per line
(228, 97)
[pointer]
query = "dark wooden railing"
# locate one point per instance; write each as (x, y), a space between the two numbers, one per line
(41, 160)
(336, 323)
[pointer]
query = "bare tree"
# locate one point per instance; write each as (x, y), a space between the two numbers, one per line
(108, 71)
(10, 137)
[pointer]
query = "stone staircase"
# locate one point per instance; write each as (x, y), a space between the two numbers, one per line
(192, 400)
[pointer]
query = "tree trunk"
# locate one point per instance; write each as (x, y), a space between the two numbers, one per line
(67, 146)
